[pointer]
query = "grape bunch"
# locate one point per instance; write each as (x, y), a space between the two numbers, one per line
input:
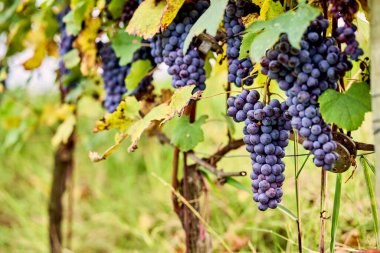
(127, 12)
(114, 75)
(185, 69)
(238, 70)
(346, 34)
(266, 134)
(346, 9)
(304, 75)
(129, 9)
(65, 45)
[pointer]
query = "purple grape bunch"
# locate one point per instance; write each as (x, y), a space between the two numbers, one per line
(304, 74)
(346, 9)
(114, 75)
(185, 69)
(65, 45)
(266, 133)
(239, 71)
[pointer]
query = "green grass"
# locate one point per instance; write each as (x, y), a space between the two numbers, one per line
(121, 207)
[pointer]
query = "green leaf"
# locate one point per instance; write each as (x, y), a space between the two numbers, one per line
(346, 110)
(233, 182)
(246, 44)
(365, 164)
(336, 208)
(71, 59)
(287, 212)
(125, 45)
(7, 14)
(75, 17)
(209, 21)
(115, 7)
(186, 135)
(294, 23)
(230, 123)
(139, 70)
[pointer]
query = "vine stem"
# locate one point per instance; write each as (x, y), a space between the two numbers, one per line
(296, 166)
(70, 206)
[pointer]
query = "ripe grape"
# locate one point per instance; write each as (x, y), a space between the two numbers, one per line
(239, 71)
(316, 67)
(65, 45)
(185, 69)
(114, 75)
(265, 134)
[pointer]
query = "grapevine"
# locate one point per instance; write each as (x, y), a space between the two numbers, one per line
(277, 72)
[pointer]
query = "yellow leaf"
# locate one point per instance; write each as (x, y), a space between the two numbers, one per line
(96, 157)
(64, 131)
(86, 45)
(121, 119)
(36, 39)
(36, 60)
(258, 2)
(250, 18)
(146, 20)
(51, 113)
(170, 12)
(270, 9)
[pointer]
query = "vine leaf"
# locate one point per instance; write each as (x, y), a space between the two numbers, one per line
(86, 45)
(96, 157)
(75, 17)
(186, 135)
(246, 44)
(209, 21)
(269, 31)
(125, 45)
(115, 7)
(36, 39)
(127, 120)
(270, 9)
(71, 59)
(346, 110)
(170, 12)
(139, 70)
(146, 20)
(64, 130)
(161, 113)
(259, 2)
(121, 119)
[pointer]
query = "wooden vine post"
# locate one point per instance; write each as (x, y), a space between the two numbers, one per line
(63, 166)
(375, 87)
(62, 180)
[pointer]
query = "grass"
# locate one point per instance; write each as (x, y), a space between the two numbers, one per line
(121, 207)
